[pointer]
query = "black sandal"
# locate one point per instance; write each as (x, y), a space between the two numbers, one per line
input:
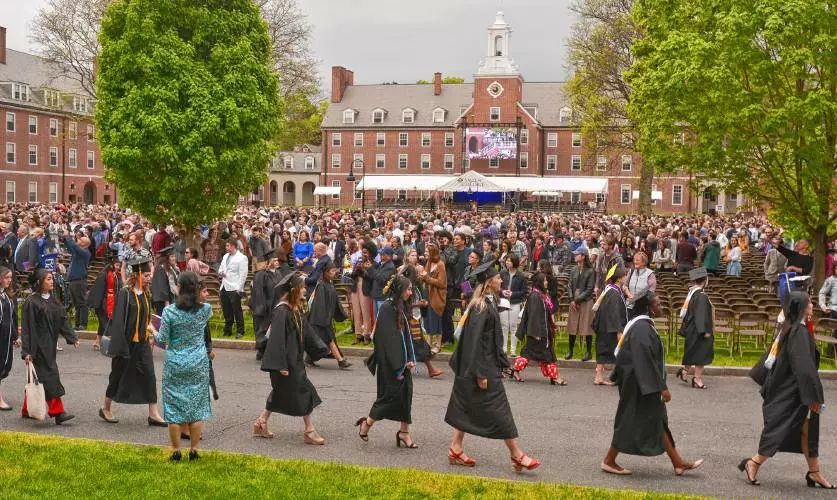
(399, 440)
(359, 424)
(813, 483)
(743, 468)
(695, 385)
(681, 374)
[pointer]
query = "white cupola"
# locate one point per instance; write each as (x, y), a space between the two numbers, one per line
(497, 60)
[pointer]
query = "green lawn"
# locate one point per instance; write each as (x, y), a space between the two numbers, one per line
(53, 467)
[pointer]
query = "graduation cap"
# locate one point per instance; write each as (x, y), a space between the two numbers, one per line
(290, 281)
(270, 254)
(165, 252)
(140, 264)
(486, 271)
(615, 272)
(698, 274)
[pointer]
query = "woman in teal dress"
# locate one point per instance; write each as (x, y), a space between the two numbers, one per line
(186, 370)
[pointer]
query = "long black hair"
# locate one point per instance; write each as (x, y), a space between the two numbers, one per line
(190, 286)
(9, 291)
(795, 309)
(394, 289)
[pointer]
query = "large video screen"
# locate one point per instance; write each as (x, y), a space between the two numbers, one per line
(488, 143)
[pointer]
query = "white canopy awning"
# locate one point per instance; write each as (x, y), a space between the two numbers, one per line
(566, 184)
(655, 195)
(325, 190)
(407, 182)
(472, 181)
(481, 183)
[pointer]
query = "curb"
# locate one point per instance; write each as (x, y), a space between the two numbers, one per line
(362, 352)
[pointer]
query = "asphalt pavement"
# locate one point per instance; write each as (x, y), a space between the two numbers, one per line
(567, 428)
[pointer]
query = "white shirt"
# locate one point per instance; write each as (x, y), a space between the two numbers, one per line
(234, 268)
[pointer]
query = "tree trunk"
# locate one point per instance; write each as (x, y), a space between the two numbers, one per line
(819, 253)
(646, 180)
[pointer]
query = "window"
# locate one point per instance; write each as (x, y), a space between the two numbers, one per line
(494, 114)
(10, 152)
(91, 159)
(349, 116)
(10, 191)
(466, 163)
(379, 194)
(448, 139)
(73, 130)
(402, 139)
(408, 116)
(53, 156)
(601, 163)
(627, 139)
(627, 162)
(402, 194)
(565, 114)
(494, 162)
(380, 139)
(378, 116)
(33, 154)
(448, 162)
(335, 184)
(677, 194)
(357, 159)
(575, 196)
(380, 161)
(575, 162)
(72, 156)
(20, 92)
(53, 192)
(335, 160)
(52, 98)
(358, 193)
(625, 194)
(309, 163)
(551, 162)
(53, 127)
(33, 125)
(33, 191)
(10, 122)
(552, 140)
(425, 162)
(336, 139)
(358, 166)
(600, 197)
(80, 104)
(90, 133)
(288, 161)
(438, 116)
(359, 139)
(425, 139)
(532, 110)
(524, 160)
(402, 161)
(524, 136)
(576, 140)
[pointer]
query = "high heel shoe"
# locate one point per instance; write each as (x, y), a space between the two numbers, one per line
(743, 468)
(460, 458)
(695, 385)
(813, 483)
(435, 374)
(679, 471)
(311, 437)
(260, 430)
(681, 374)
(518, 465)
(399, 440)
(515, 375)
(359, 424)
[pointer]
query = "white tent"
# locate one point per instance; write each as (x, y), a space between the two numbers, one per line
(325, 190)
(480, 183)
(566, 184)
(472, 181)
(406, 182)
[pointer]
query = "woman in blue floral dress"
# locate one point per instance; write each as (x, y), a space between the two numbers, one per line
(186, 370)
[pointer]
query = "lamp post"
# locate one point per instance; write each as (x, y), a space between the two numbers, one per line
(351, 178)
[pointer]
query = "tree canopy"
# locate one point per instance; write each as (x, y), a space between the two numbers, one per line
(744, 92)
(188, 105)
(303, 120)
(446, 79)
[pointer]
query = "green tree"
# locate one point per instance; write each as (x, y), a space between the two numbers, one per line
(600, 54)
(188, 105)
(303, 122)
(446, 79)
(744, 91)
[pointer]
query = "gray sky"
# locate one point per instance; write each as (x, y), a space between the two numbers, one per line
(403, 40)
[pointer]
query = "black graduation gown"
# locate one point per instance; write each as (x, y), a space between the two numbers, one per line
(534, 327)
(160, 289)
(698, 349)
(293, 394)
(262, 300)
(791, 386)
(479, 354)
(325, 309)
(393, 349)
(132, 366)
(641, 418)
(44, 320)
(8, 333)
(610, 318)
(97, 298)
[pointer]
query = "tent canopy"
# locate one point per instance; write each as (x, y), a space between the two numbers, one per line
(471, 181)
(480, 183)
(324, 190)
(407, 182)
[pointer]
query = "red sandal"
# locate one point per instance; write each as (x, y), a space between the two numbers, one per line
(460, 458)
(518, 463)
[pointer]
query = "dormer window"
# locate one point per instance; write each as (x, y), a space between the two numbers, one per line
(565, 114)
(378, 115)
(52, 98)
(438, 115)
(80, 104)
(349, 116)
(408, 115)
(288, 161)
(20, 92)
(309, 163)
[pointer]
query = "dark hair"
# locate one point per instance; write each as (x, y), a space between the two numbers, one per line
(537, 282)
(190, 286)
(545, 267)
(10, 290)
(515, 260)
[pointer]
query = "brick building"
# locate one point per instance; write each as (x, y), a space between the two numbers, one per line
(48, 138)
(414, 130)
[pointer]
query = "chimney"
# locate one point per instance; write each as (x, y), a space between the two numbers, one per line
(2, 45)
(437, 83)
(340, 79)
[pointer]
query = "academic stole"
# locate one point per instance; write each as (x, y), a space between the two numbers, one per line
(399, 374)
(685, 307)
(601, 297)
(139, 313)
(628, 327)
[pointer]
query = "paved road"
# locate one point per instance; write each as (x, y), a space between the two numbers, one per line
(568, 428)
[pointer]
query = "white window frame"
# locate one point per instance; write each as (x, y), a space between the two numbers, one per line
(552, 160)
(52, 98)
(53, 127)
(356, 157)
(403, 140)
(91, 133)
(494, 114)
(623, 188)
(33, 121)
(438, 116)
(358, 139)
(336, 139)
(91, 159)
(380, 161)
(600, 198)
(601, 163)
(673, 192)
(80, 104)
(380, 139)
(357, 193)
(53, 192)
(288, 161)
(309, 163)
(448, 165)
(53, 156)
(575, 163)
(348, 116)
(32, 152)
(378, 116)
(408, 116)
(401, 195)
(494, 162)
(379, 194)
(403, 161)
(11, 188)
(336, 158)
(73, 130)
(466, 163)
(32, 194)
(524, 136)
(552, 139)
(576, 140)
(448, 139)
(72, 158)
(575, 196)
(629, 163)
(524, 160)
(565, 114)
(335, 184)
(425, 162)
(11, 119)
(20, 92)
(11, 149)
(425, 139)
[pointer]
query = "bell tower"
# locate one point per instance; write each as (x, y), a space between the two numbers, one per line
(497, 60)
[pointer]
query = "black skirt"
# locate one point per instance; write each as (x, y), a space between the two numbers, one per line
(293, 395)
(698, 350)
(484, 413)
(605, 347)
(132, 380)
(395, 397)
(641, 422)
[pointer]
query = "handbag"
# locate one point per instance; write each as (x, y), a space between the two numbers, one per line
(35, 396)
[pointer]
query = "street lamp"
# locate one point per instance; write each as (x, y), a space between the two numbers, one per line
(351, 178)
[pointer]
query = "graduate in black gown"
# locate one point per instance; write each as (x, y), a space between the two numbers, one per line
(44, 320)
(537, 328)
(164, 280)
(793, 396)
(610, 315)
(641, 423)
(325, 310)
(132, 380)
(478, 403)
(102, 297)
(697, 328)
(293, 394)
(392, 362)
(8, 328)
(417, 314)
(262, 299)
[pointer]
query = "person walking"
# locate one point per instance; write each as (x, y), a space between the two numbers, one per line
(102, 297)
(697, 328)
(324, 310)
(609, 319)
(263, 298)
(164, 281)
(233, 274)
(537, 329)
(580, 292)
(186, 371)
(514, 288)
(8, 328)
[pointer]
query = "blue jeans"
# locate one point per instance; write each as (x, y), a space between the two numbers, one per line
(376, 304)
